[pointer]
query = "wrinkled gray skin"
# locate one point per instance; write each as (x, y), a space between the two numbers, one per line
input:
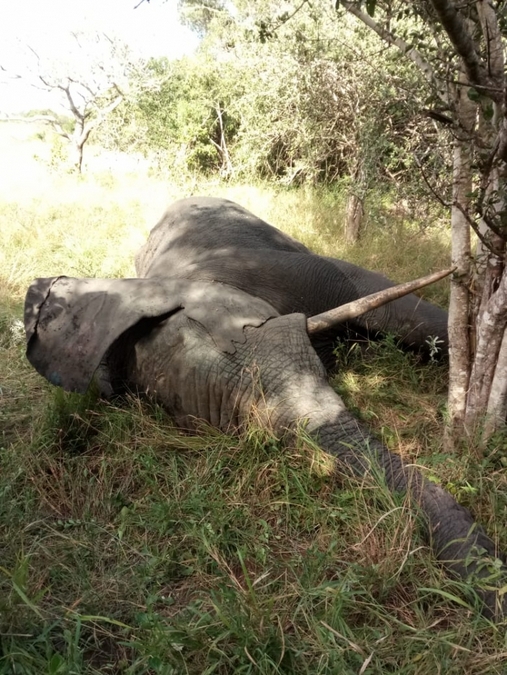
(211, 352)
(209, 239)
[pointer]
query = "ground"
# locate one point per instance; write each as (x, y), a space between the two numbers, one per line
(128, 547)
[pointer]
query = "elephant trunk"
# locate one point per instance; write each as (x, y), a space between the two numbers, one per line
(410, 318)
(457, 540)
(351, 310)
(275, 376)
(304, 396)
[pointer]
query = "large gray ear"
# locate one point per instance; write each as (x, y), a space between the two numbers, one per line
(71, 323)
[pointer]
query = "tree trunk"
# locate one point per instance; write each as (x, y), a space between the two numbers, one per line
(459, 306)
(354, 218)
(490, 336)
(497, 404)
(77, 157)
(355, 206)
(220, 143)
(478, 307)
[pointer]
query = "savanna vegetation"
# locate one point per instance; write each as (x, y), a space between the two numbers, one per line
(129, 547)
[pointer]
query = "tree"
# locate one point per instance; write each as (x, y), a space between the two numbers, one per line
(200, 14)
(184, 115)
(456, 52)
(274, 94)
(90, 84)
(460, 49)
(301, 112)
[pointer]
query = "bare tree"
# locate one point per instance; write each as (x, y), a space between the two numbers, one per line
(90, 83)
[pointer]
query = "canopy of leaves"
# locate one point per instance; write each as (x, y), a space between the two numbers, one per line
(289, 92)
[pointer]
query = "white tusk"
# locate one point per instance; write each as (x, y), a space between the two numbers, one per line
(315, 324)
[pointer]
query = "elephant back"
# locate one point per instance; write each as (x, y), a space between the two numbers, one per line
(189, 231)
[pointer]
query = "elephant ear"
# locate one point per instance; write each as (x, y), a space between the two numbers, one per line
(72, 324)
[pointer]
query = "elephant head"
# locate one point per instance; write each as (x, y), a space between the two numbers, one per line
(208, 351)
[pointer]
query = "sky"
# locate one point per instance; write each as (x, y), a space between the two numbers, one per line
(151, 29)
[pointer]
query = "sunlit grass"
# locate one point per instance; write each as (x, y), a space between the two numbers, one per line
(59, 223)
(130, 548)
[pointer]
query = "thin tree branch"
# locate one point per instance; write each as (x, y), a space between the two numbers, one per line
(411, 52)
(437, 196)
(47, 119)
(459, 35)
(77, 113)
(502, 234)
(79, 83)
(476, 229)
(287, 18)
(13, 76)
(102, 114)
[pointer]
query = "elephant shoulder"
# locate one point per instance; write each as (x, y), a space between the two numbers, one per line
(225, 312)
(196, 229)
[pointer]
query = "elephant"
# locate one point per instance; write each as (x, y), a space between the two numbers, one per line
(211, 352)
(211, 239)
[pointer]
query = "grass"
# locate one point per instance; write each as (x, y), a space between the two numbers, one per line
(130, 548)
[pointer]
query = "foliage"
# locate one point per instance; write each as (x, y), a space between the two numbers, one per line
(66, 122)
(178, 115)
(461, 50)
(305, 100)
(199, 15)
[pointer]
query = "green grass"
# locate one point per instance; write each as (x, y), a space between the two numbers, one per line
(130, 548)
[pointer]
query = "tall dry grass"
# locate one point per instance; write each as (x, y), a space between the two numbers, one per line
(54, 222)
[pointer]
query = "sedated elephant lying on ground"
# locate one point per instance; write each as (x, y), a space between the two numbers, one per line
(209, 239)
(210, 351)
